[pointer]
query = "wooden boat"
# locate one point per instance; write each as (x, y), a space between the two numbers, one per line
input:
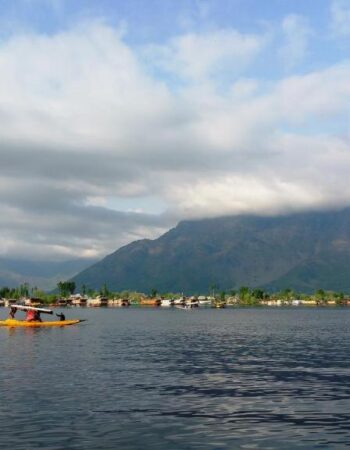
(11, 322)
(22, 323)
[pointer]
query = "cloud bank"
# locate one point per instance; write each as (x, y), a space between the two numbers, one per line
(102, 143)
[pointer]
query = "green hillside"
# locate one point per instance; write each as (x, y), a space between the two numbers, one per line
(303, 251)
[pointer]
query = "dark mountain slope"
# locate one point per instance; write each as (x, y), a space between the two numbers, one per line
(302, 251)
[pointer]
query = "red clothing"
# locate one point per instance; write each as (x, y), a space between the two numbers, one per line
(30, 316)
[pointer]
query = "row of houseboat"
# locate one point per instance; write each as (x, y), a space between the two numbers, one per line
(78, 300)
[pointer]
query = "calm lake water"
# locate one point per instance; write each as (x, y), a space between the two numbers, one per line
(173, 379)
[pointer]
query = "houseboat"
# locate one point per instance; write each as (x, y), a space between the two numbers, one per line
(150, 301)
(97, 302)
(167, 302)
(180, 301)
(192, 302)
(78, 300)
(61, 302)
(9, 302)
(118, 302)
(204, 301)
(32, 301)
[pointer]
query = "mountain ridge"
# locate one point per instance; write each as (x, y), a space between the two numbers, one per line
(304, 251)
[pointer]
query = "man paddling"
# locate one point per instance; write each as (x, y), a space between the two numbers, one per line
(61, 316)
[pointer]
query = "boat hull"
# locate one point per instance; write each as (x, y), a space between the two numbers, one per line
(22, 323)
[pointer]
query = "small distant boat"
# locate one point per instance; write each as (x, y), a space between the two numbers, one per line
(219, 305)
(186, 306)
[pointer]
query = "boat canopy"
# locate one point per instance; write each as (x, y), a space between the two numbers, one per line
(32, 308)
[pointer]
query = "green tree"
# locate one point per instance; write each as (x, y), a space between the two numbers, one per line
(71, 287)
(213, 288)
(104, 291)
(5, 292)
(320, 296)
(222, 296)
(91, 292)
(287, 294)
(153, 292)
(258, 294)
(65, 288)
(62, 288)
(244, 293)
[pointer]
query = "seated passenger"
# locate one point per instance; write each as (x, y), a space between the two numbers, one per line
(33, 316)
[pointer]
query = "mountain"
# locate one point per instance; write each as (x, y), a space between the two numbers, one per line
(304, 251)
(43, 274)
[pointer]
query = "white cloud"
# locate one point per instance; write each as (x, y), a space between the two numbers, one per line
(340, 18)
(83, 126)
(197, 56)
(296, 36)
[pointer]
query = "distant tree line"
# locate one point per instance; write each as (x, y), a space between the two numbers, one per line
(244, 295)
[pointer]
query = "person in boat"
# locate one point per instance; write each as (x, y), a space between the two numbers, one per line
(12, 312)
(61, 316)
(33, 316)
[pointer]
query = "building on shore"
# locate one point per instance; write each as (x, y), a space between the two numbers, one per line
(118, 302)
(97, 302)
(78, 300)
(9, 302)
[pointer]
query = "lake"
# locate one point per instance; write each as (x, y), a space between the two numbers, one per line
(270, 378)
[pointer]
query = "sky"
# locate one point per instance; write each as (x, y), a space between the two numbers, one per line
(120, 118)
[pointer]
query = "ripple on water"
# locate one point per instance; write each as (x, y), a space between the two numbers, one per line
(155, 379)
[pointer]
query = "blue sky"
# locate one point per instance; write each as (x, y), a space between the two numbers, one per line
(120, 118)
(157, 19)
